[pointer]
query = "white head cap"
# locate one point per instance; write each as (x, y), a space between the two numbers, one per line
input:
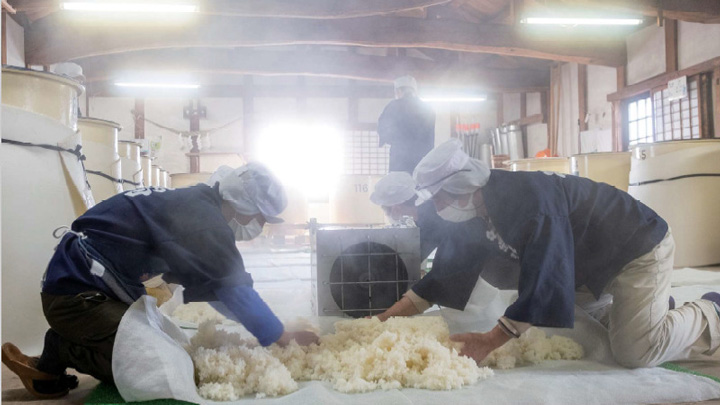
(251, 189)
(393, 189)
(405, 81)
(448, 167)
(69, 69)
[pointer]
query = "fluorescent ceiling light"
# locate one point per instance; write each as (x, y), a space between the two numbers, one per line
(129, 7)
(451, 99)
(159, 85)
(581, 21)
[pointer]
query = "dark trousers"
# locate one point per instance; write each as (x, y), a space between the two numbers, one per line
(85, 326)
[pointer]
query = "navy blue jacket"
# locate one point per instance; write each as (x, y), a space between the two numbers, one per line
(179, 233)
(408, 126)
(568, 231)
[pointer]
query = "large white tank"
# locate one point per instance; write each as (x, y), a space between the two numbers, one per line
(681, 182)
(179, 180)
(43, 93)
(350, 201)
(130, 164)
(612, 168)
(100, 147)
(146, 164)
(553, 164)
(156, 175)
(164, 178)
(39, 194)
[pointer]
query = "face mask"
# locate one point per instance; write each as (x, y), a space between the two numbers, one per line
(455, 213)
(245, 232)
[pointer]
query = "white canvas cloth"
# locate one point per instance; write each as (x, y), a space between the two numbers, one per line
(147, 342)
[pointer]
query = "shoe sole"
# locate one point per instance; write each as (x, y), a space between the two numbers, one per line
(24, 367)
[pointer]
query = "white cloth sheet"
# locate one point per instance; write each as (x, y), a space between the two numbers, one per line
(144, 344)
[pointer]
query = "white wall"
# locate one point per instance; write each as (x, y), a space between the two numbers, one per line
(645, 54)
(601, 81)
(536, 133)
(697, 43)
(15, 43)
(511, 107)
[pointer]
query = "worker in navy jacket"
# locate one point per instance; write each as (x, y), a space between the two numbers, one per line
(187, 235)
(569, 233)
(407, 124)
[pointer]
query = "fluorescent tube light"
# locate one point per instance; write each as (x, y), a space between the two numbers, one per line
(159, 85)
(581, 21)
(129, 7)
(451, 99)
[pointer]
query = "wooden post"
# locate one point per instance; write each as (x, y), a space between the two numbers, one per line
(716, 101)
(671, 46)
(617, 113)
(139, 118)
(582, 97)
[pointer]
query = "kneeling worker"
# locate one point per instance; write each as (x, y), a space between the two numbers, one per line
(570, 232)
(188, 235)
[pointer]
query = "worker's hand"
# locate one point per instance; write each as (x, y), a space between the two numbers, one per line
(303, 338)
(382, 317)
(478, 345)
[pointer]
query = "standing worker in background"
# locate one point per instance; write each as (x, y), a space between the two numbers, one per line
(569, 232)
(188, 235)
(408, 126)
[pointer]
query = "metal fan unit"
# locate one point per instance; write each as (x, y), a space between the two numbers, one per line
(361, 272)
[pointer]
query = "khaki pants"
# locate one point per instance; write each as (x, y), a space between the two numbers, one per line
(87, 324)
(643, 332)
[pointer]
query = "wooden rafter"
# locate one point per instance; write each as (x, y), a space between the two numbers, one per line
(7, 7)
(53, 39)
(348, 65)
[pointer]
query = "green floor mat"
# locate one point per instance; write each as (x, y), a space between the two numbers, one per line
(107, 394)
(675, 367)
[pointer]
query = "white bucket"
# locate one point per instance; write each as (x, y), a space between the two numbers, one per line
(100, 147)
(610, 168)
(554, 164)
(179, 180)
(350, 201)
(39, 194)
(146, 164)
(156, 175)
(43, 93)
(681, 182)
(130, 164)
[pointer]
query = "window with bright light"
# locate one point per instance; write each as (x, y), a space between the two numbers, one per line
(304, 157)
(640, 121)
(363, 156)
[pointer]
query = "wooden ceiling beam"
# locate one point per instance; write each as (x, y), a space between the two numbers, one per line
(53, 39)
(347, 65)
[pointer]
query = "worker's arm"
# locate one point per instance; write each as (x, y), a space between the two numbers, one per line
(546, 292)
(244, 305)
(410, 304)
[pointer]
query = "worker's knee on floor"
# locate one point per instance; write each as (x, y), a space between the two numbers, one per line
(633, 356)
